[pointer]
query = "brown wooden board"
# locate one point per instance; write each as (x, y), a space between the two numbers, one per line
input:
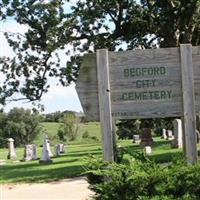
(144, 84)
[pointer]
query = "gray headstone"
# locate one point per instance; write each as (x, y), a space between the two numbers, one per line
(57, 150)
(178, 135)
(46, 158)
(11, 149)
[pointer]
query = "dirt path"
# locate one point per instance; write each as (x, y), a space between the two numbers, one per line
(68, 189)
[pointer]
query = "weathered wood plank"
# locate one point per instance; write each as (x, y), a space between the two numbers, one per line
(105, 104)
(87, 86)
(188, 103)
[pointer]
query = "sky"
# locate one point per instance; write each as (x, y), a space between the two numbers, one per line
(58, 98)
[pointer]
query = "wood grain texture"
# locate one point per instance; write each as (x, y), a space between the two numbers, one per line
(188, 103)
(87, 86)
(105, 104)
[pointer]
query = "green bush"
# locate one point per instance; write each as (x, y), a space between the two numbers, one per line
(86, 134)
(136, 179)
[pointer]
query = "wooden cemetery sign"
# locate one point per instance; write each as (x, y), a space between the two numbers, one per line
(153, 83)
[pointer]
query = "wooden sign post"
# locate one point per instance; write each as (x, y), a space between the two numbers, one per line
(189, 123)
(105, 104)
(155, 83)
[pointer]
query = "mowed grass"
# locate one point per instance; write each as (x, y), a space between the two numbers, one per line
(65, 166)
(71, 164)
(51, 128)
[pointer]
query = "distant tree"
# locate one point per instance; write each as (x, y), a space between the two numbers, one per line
(3, 121)
(56, 116)
(22, 125)
(69, 127)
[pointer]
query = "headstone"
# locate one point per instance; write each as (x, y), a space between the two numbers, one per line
(11, 149)
(30, 152)
(148, 150)
(62, 148)
(164, 133)
(49, 148)
(146, 137)
(170, 135)
(59, 149)
(35, 157)
(136, 139)
(45, 152)
(178, 135)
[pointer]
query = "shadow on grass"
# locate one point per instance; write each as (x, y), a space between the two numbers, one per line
(167, 157)
(45, 175)
(66, 166)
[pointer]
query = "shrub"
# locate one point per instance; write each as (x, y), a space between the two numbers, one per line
(133, 179)
(86, 134)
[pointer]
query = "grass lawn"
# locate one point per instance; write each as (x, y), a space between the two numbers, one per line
(51, 128)
(65, 166)
(71, 164)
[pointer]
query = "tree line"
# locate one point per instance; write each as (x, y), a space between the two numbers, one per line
(24, 125)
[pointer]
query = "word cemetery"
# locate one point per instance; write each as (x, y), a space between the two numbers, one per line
(153, 83)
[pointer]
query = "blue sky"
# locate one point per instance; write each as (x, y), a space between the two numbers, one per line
(58, 98)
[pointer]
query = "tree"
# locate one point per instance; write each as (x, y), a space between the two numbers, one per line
(69, 127)
(114, 24)
(21, 125)
(87, 26)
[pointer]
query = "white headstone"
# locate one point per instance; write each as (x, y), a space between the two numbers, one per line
(164, 133)
(178, 135)
(136, 139)
(45, 152)
(49, 148)
(170, 135)
(30, 152)
(62, 148)
(148, 150)
(11, 149)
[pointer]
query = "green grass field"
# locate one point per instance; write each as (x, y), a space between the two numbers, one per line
(51, 128)
(71, 163)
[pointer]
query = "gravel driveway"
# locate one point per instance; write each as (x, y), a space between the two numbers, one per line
(68, 189)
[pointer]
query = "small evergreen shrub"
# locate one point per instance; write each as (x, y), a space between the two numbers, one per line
(142, 179)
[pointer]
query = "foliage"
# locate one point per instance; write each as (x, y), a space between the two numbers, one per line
(127, 128)
(86, 26)
(136, 179)
(69, 127)
(56, 116)
(20, 124)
